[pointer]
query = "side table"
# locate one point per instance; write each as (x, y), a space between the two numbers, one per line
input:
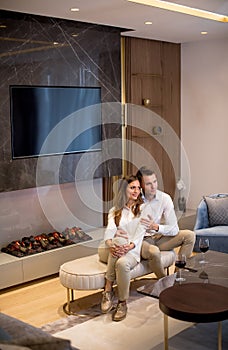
(195, 302)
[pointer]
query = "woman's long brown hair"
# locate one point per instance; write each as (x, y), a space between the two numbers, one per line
(121, 199)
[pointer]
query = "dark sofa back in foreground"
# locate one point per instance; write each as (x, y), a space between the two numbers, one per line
(14, 332)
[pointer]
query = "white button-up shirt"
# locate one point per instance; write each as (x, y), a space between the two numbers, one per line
(161, 209)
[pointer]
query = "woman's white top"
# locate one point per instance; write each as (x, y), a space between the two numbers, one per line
(131, 225)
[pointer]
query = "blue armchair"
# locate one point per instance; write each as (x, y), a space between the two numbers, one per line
(212, 222)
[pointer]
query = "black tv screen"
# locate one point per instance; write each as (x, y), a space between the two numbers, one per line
(40, 111)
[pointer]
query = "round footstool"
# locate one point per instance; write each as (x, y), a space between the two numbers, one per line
(81, 274)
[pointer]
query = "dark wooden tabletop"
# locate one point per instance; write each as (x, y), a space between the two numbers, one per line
(195, 302)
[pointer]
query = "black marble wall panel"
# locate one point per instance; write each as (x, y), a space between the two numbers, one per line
(37, 50)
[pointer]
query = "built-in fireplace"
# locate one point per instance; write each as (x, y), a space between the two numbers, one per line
(45, 241)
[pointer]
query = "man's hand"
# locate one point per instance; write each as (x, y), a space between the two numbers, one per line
(121, 233)
(149, 223)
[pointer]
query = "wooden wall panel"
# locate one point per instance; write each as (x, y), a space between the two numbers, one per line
(171, 86)
(153, 72)
(145, 57)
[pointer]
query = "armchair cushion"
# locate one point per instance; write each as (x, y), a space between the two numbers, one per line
(217, 210)
(212, 222)
(202, 220)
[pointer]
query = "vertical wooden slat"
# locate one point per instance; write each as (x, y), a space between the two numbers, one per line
(153, 71)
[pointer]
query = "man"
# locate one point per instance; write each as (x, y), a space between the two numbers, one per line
(158, 207)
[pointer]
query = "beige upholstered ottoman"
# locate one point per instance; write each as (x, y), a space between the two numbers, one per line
(89, 273)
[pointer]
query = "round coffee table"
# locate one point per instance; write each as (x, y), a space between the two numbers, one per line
(195, 302)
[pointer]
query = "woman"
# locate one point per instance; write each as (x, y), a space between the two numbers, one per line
(122, 244)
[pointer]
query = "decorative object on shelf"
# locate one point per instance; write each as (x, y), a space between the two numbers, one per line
(182, 204)
(181, 199)
(43, 242)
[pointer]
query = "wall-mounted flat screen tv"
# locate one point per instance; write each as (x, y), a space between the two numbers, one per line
(38, 110)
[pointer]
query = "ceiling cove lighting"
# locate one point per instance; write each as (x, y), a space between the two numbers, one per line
(74, 9)
(166, 5)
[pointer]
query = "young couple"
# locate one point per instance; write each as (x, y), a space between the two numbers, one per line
(134, 231)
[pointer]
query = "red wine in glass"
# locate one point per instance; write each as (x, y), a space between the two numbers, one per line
(203, 246)
(180, 263)
(204, 249)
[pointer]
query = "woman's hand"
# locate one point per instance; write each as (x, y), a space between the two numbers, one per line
(119, 250)
(115, 249)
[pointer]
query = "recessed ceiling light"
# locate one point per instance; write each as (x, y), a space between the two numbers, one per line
(148, 22)
(74, 34)
(171, 6)
(55, 43)
(203, 33)
(74, 9)
(3, 26)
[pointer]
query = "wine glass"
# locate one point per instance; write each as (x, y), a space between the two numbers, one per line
(180, 263)
(203, 246)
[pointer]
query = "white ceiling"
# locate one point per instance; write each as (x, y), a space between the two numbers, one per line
(167, 25)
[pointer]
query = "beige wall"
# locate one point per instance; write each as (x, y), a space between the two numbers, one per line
(204, 116)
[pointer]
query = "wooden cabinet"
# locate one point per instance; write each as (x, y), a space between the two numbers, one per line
(152, 72)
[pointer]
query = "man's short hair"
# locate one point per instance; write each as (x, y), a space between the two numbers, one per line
(144, 171)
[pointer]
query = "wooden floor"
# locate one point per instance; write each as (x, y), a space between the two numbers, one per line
(41, 301)
(38, 302)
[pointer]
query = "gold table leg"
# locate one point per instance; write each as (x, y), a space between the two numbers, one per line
(166, 345)
(220, 335)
